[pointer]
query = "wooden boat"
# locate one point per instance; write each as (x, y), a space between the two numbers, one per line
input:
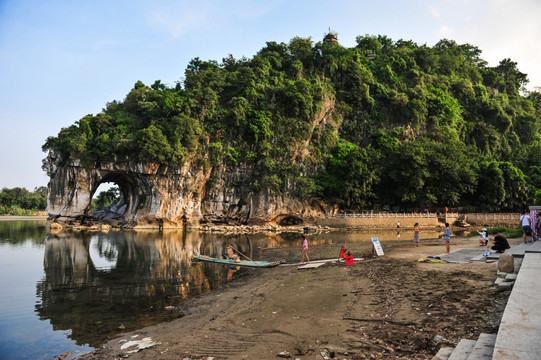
(260, 264)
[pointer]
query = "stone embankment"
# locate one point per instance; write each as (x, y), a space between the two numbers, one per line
(492, 219)
(360, 221)
(425, 220)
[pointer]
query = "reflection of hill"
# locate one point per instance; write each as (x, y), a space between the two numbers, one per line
(15, 232)
(147, 271)
(151, 271)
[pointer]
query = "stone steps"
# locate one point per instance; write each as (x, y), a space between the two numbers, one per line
(520, 326)
(534, 248)
(480, 349)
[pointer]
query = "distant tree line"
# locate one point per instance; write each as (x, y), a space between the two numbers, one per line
(412, 126)
(20, 201)
(105, 199)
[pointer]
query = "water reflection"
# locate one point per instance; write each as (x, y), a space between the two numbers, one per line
(17, 232)
(99, 284)
(96, 285)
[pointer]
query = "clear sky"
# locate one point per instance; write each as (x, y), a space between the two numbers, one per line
(63, 59)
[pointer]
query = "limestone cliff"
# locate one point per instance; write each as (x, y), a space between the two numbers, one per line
(156, 196)
(150, 195)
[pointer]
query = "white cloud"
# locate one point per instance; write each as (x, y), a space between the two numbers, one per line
(433, 11)
(182, 18)
(446, 32)
(188, 17)
(250, 10)
(505, 29)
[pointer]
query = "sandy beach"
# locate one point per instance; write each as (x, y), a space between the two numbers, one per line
(389, 307)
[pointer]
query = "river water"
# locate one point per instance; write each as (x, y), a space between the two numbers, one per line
(71, 291)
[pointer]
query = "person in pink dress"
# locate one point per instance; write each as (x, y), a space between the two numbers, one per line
(304, 249)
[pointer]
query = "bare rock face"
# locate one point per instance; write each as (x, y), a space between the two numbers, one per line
(159, 197)
(150, 195)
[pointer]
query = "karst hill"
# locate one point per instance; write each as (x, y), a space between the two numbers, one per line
(303, 129)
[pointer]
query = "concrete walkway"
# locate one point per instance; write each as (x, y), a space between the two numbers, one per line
(520, 329)
(463, 256)
(476, 254)
(519, 250)
(519, 334)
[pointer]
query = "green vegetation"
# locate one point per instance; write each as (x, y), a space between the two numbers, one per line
(382, 124)
(20, 201)
(510, 233)
(105, 199)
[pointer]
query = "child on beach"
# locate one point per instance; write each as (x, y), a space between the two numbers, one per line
(484, 237)
(304, 249)
(416, 235)
(447, 237)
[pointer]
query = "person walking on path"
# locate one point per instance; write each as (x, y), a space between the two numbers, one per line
(416, 231)
(304, 249)
(447, 237)
(526, 228)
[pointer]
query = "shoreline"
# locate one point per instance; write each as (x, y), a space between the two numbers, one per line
(22, 218)
(387, 307)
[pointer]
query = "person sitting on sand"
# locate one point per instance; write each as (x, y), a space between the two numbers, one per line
(500, 242)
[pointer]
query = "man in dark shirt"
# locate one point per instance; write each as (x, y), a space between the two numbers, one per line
(500, 242)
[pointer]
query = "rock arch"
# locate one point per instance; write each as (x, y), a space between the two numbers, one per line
(151, 196)
(126, 205)
(157, 196)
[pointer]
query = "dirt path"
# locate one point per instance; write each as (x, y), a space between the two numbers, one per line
(390, 307)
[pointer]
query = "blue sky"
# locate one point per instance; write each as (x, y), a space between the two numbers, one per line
(61, 60)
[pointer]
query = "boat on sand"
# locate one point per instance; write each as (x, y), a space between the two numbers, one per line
(248, 263)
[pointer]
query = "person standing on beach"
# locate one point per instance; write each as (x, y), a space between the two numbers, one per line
(416, 234)
(525, 221)
(447, 237)
(304, 249)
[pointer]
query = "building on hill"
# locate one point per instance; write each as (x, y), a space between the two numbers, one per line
(331, 38)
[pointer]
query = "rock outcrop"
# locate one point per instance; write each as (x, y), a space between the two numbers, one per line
(150, 195)
(153, 196)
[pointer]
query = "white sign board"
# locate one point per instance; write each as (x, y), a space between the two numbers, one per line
(377, 246)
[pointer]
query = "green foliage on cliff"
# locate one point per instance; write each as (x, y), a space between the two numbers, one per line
(385, 122)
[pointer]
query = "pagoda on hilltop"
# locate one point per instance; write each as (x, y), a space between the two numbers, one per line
(331, 38)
